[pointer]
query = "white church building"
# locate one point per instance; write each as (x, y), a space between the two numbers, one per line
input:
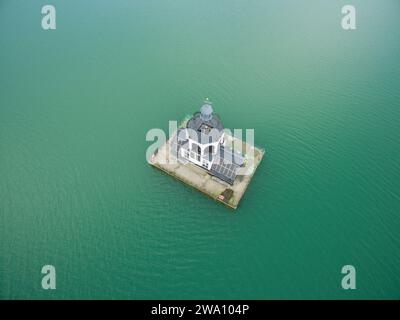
(202, 142)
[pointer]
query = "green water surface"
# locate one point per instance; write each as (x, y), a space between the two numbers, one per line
(76, 191)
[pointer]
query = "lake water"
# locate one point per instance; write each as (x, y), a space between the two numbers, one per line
(76, 191)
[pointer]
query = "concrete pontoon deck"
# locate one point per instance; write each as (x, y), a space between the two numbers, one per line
(200, 179)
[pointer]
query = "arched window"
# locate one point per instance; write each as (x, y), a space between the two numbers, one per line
(196, 150)
(195, 147)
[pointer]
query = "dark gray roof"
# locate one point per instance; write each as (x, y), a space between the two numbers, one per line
(201, 126)
(224, 171)
(225, 164)
(228, 155)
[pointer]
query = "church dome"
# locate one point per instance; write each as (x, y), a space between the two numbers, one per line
(203, 122)
(206, 112)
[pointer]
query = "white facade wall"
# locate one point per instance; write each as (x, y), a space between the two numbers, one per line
(193, 156)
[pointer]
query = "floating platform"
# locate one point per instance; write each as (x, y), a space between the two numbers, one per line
(200, 179)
